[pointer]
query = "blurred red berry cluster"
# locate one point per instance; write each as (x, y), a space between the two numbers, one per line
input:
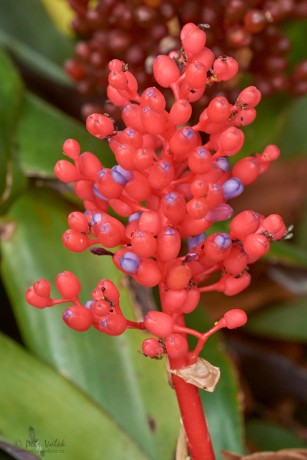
(136, 31)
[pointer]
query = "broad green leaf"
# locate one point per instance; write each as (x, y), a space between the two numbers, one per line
(132, 389)
(39, 404)
(286, 322)
(293, 139)
(11, 99)
(41, 133)
(296, 32)
(267, 436)
(28, 32)
(300, 230)
(271, 117)
(222, 407)
(280, 120)
(287, 253)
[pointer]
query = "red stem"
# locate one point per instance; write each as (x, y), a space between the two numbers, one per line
(191, 409)
(193, 419)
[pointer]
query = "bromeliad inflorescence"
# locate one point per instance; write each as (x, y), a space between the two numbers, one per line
(171, 183)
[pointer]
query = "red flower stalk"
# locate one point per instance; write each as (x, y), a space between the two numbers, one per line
(172, 181)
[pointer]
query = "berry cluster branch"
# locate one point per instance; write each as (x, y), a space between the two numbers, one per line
(171, 183)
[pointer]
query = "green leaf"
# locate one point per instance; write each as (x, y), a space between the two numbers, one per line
(222, 408)
(131, 388)
(293, 139)
(267, 127)
(288, 253)
(11, 99)
(29, 33)
(41, 133)
(280, 120)
(267, 436)
(285, 322)
(38, 404)
(296, 32)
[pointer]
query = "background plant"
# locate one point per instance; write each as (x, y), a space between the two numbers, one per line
(32, 135)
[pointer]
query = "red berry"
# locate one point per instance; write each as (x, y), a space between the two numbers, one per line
(235, 318)
(143, 158)
(152, 347)
(273, 226)
(231, 285)
(217, 246)
(165, 71)
(218, 110)
(153, 122)
(110, 233)
(249, 98)
(161, 174)
(271, 153)
(36, 300)
(236, 261)
(247, 170)
(196, 75)
(186, 29)
(168, 244)
(100, 307)
(150, 221)
(183, 141)
(66, 171)
(113, 324)
(84, 190)
(71, 149)
(118, 79)
(173, 207)
(200, 160)
(117, 99)
(68, 285)
(225, 68)
(231, 141)
(115, 64)
(131, 116)
(174, 300)
(75, 241)
(148, 273)
(89, 165)
(197, 208)
(159, 324)
(180, 112)
(244, 223)
(192, 300)
(42, 288)
(194, 41)
(109, 290)
(153, 98)
(256, 245)
(107, 186)
(78, 318)
(176, 346)
(144, 243)
(179, 276)
(99, 125)
(78, 221)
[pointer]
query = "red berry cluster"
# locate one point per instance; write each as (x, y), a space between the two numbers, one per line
(172, 182)
(113, 28)
(250, 31)
(253, 32)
